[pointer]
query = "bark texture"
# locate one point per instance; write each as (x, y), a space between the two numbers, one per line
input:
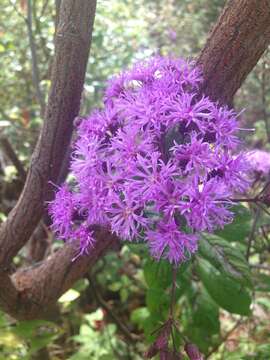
(236, 43)
(72, 46)
(240, 36)
(31, 293)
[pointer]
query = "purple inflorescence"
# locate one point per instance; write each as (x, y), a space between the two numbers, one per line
(259, 161)
(156, 164)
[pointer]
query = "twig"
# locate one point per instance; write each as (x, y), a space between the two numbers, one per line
(263, 208)
(17, 11)
(6, 146)
(44, 7)
(261, 267)
(224, 338)
(255, 200)
(35, 70)
(263, 89)
(130, 336)
(265, 187)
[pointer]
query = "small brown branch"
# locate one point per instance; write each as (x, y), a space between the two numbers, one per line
(44, 7)
(224, 338)
(10, 153)
(264, 104)
(122, 327)
(261, 267)
(252, 200)
(35, 69)
(17, 10)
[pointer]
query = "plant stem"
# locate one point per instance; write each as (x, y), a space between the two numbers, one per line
(172, 305)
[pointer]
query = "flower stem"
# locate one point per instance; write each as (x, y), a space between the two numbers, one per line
(172, 305)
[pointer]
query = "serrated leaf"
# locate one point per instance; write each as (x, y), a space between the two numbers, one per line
(226, 258)
(226, 292)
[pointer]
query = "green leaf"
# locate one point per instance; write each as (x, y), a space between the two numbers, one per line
(139, 316)
(206, 314)
(40, 342)
(226, 258)
(239, 229)
(157, 301)
(157, 274)
(27, 329)
(228, 294)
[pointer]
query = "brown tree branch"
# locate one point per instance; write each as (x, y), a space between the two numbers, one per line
(233, 48)
(237, 41)
(31, 292)
(71, 53)
(10, 153)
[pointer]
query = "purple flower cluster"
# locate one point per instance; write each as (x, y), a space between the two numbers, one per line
(259, 161)
(155, 164)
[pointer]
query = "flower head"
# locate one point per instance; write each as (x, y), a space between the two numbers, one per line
(158, 162)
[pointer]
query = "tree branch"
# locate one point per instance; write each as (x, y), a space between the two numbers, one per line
(31, 292)
(73, 40)
(237, 41)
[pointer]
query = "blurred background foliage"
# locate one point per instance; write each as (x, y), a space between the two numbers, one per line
(223, 300)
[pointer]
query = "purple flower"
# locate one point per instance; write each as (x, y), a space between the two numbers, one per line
(86, 239)
(158, 162)
(126, 216)
(259, 161)
(168, 242)
(205, 208)
(232, 171)
(148, 176)
(86, 157)
(194, 156)
(184, 109)
(128, 143)
(62, 210)
(172, 34)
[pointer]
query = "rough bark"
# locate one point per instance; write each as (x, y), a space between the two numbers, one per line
(72, 46)
(30, 293)
(233, 48)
